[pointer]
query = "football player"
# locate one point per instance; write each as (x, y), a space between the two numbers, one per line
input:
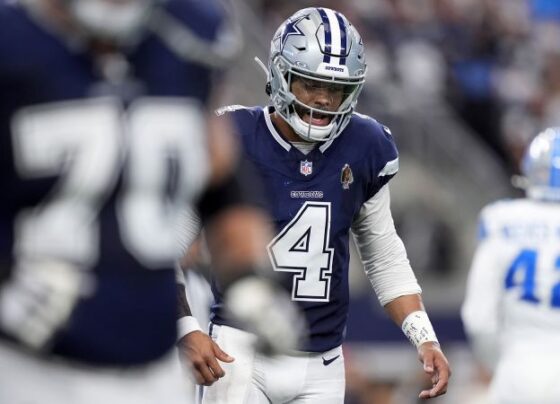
(511, 310)
(326, 170)
(103, 142)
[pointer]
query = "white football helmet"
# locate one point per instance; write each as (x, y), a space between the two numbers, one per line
(115, 20)
(316, 44)
(541, 166)
(119, 21)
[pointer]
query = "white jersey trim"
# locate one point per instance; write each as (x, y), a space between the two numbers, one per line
(286, 145)
(391, 168)
(327, 144)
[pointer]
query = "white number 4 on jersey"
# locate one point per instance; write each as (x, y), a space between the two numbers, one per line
(302, 247)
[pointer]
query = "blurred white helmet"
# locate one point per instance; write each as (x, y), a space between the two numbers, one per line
(541, 166)
(117, 20)
(321, 45)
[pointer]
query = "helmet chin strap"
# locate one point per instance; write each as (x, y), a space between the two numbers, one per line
(262, 66)
(266, 72)
(309, 132)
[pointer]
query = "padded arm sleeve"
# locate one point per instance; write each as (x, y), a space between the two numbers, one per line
(382, 251)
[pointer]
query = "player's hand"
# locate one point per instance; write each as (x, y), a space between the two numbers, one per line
(436, 366)
(203, 354)
(262, 307)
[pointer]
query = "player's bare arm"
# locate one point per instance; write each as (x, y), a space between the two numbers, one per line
(408, 312)
(196, 348)
(203, 355)
(236, 232)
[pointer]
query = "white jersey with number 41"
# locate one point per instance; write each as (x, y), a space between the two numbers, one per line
(512, 305)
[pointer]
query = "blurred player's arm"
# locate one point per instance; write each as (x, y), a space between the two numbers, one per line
(197, 351)
(235, 224)
(480, 307)
(387, 267)
(236, 231)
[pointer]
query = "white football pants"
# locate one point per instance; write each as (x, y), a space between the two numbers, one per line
(26, 379)
(527, 375)
(302, 378)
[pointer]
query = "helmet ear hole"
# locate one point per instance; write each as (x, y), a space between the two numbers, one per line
(268, 88)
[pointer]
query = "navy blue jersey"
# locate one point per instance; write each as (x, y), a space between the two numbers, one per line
(313, 200)
(92, 175)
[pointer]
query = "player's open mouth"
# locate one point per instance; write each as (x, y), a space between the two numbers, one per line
(317, 119)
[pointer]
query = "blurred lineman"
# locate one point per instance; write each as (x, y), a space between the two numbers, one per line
(325, 169)
(103, 142)
(512, 306)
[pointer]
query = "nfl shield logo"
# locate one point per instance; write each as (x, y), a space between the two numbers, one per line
(306, 167)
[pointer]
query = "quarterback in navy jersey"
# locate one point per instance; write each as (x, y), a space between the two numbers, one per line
(319, 193)
(103, 141)
(326, 170)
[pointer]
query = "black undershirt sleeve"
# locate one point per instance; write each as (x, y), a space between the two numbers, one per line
(242, 187)
(183, 306)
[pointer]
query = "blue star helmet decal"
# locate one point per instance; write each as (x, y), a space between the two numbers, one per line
(292, 29)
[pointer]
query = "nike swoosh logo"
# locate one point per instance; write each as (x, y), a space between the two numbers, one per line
(327, 362)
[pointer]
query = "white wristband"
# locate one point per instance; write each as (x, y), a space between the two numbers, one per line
(418, 328)
(186, 325)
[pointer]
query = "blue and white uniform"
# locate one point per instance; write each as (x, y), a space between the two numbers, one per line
(512, 304)
(316, 199)
(94, 174)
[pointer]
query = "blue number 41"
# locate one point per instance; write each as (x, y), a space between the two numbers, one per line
(526, 265)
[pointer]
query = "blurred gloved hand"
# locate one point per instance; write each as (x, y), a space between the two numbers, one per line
(39, 298)
(260, 306)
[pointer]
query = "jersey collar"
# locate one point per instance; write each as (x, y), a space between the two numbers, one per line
(272, 129)
(279, 139)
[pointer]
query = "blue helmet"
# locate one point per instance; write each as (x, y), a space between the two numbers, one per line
(541, 166)
(316, 44)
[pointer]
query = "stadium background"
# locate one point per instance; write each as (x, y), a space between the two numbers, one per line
(464, 85)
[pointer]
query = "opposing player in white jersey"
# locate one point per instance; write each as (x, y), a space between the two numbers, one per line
(512, 306)
(326, 170)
